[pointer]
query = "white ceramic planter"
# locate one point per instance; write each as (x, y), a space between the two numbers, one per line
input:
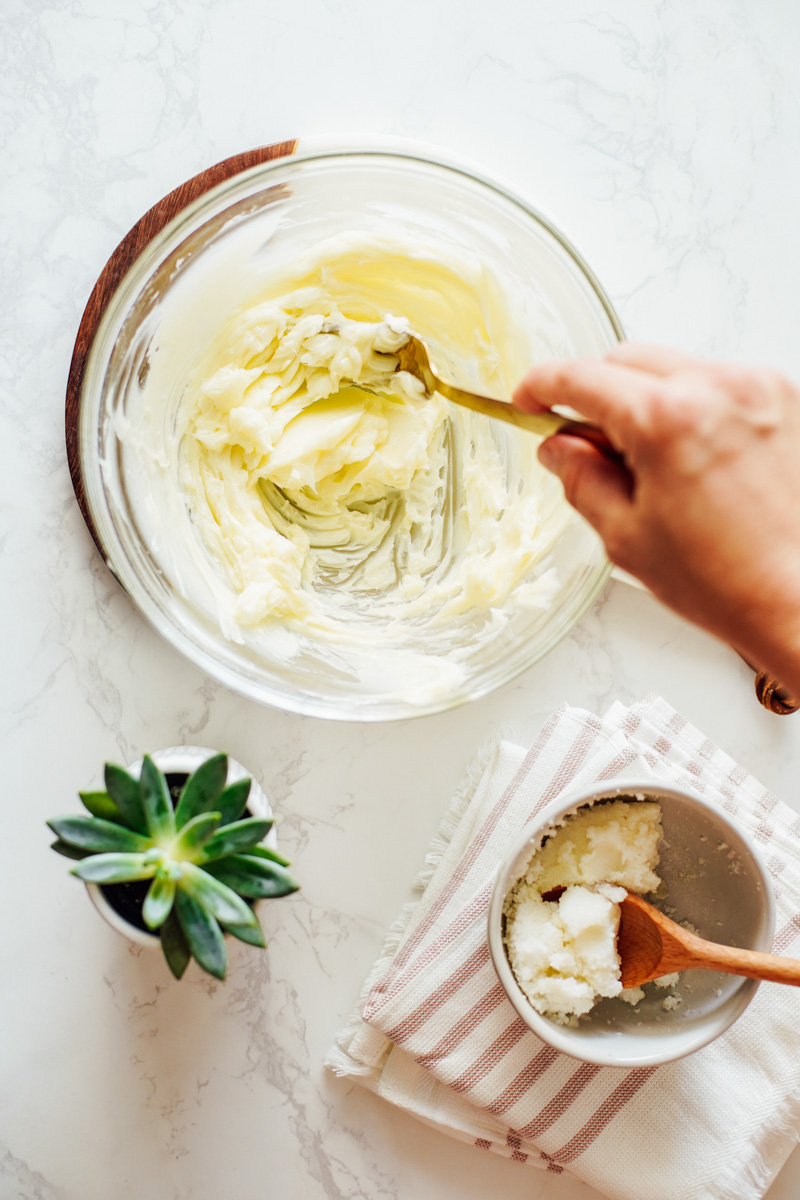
(174, 760)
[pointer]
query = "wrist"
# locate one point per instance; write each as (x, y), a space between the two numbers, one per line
(772, 643)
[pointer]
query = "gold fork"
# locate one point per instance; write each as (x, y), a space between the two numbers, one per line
(415, 357)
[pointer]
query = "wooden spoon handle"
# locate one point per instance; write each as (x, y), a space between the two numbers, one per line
(733, 961)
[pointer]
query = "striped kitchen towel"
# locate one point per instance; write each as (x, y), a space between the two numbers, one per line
(435, 1034)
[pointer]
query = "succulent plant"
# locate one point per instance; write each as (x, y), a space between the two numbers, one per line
(204, 860)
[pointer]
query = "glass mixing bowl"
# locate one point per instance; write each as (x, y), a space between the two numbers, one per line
(273, 212)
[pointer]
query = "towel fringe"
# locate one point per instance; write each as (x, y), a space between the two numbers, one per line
(735, 1180)
(390, 947)
(338, 1058)
(462, 798)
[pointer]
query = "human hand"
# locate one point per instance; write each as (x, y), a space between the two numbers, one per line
(705, 509)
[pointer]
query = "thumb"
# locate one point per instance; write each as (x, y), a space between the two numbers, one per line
(600, 488)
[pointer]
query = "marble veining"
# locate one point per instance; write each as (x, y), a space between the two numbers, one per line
(663, 139)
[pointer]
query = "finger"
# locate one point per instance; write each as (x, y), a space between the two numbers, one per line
(597, 486)
(524, 395)
(609, 395)
(658, 360)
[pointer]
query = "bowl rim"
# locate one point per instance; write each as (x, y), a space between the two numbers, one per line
(560, 1037)
(114, 553)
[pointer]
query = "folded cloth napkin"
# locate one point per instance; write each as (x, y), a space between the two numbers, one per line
(435, 1034)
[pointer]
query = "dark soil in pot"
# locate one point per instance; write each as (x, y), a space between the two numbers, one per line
(127, 899)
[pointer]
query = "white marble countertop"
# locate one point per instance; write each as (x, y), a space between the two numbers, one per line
(664, 139)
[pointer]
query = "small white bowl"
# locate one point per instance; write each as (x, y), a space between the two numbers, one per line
(713, 877)
(178, 760)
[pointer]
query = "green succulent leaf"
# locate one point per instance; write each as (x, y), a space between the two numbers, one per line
(252, 934)
(267, 852)
(156, 801)
(235, 838)
(158, 901)
(169, 869)
(220, 900)
(100, 804)
(233, 801)
(202, 789)
(69, 851)
(124, 791)
(256, 878)
(93, 833)
(203, 934)
(174, 944)
(194, 835)
(114, 868)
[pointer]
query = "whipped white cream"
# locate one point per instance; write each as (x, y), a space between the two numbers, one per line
(563, 950)
(314, 499)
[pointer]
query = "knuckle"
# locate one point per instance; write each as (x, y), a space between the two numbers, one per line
(751, 388)
(562, 376)
(672, 410)
(756, 398)
(766, 381)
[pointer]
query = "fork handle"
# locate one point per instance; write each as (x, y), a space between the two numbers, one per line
(543, 423)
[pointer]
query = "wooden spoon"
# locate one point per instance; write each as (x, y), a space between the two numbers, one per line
(650, 944)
